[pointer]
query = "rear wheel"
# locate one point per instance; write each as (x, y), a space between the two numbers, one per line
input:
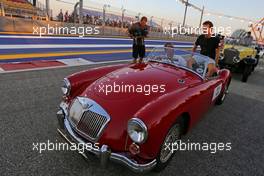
(246, 72)
(166, 154)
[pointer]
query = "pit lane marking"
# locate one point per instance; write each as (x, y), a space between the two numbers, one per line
(75, 61)
(64, 66)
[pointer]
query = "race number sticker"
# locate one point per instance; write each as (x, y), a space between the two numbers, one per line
(217, 91)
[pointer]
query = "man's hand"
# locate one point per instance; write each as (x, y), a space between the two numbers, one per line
(190, 62)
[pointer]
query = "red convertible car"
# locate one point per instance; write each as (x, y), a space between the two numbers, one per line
(130, 112)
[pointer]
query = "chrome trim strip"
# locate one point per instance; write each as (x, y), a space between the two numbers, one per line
(116, 157)
(69, 141)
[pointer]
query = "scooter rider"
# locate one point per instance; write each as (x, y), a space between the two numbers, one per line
(138, 31)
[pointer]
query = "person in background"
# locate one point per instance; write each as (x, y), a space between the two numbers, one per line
(209, 44)
(138, 31)
(248, 39)
(66, 17)
(170, 54)
(60, 16)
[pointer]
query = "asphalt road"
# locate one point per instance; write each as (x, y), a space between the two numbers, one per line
(29, 102)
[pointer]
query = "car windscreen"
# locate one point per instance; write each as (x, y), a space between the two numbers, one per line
(180, 58)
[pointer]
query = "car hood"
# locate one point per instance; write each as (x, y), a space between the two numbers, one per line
(122, 105)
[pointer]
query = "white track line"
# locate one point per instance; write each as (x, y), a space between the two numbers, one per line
(75, 61)
(83, 38)
(1, 70)
(50, 46)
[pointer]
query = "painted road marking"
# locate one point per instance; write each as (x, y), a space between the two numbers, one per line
(66, 53)
(57, 54)
(62, 66)
(29, 65)
(75, 61)
(79, 46)
(84, 38)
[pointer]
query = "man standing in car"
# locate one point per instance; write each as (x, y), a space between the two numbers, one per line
(138, 31)
(209, 44)
(247, 40)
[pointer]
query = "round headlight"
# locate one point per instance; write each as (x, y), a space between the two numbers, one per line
(137, 130)
(236, 59)
(66, 87)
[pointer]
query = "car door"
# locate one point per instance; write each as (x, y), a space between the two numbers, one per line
(207, 93)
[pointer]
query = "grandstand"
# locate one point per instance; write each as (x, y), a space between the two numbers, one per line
(23, 16)
(21, 8)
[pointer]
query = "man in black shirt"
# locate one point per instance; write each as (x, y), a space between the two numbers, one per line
(209, 44)
(138, 32)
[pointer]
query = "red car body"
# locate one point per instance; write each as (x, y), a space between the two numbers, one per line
(187, 94)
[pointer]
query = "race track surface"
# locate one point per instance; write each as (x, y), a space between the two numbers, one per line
(20, 48)
(29, 102)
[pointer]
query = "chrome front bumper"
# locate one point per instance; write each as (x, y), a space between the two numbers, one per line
(104, 153)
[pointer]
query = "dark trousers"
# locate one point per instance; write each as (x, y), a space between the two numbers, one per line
(139, 51)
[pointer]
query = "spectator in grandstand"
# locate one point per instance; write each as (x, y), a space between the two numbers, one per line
(66, 16)
(138, 31)
(60, 16)
(87, 19)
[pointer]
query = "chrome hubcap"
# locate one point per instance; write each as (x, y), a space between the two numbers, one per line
(171, 138)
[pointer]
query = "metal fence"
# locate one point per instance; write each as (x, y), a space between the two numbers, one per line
(11, 24)
(7, 8)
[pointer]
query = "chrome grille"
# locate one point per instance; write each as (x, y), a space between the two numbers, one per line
(91, 124)
(88, 118)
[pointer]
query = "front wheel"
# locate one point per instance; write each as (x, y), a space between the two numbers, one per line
(166, 154)
(246, 72)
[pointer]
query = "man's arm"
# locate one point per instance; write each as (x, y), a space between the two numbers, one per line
(196, 43)
(217, 55)
(131, 30)
(194, 49)
(146, 31)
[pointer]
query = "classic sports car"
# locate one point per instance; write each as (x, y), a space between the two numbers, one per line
(133, 125)
(240, 59)
(240, 55)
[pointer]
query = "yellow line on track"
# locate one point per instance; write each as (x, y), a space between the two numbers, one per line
(59, 54)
